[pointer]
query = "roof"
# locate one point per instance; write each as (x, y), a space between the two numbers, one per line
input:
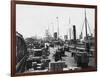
(19, 35)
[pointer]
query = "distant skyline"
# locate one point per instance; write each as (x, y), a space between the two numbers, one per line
(34, 20)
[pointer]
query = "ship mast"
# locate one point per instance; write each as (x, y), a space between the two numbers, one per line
(69, 28)
(70, 33)
(86, 25)
(86, 43)
(58, 26)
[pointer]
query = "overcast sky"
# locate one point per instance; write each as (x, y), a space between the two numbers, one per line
(33, 20)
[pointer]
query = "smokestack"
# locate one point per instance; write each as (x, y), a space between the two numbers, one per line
(74, 33)
(55, 35)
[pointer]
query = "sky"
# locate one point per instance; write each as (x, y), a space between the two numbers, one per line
(33, 20)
